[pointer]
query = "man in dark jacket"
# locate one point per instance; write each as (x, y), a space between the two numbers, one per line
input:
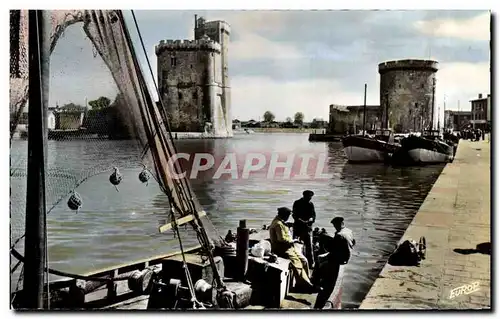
(338, 250)
(304, 217)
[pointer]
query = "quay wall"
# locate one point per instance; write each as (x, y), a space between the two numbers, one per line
(455, 220)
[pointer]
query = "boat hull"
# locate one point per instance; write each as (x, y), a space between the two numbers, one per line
(421, 150)
(422, 155)
(363, 154)
(364, 149)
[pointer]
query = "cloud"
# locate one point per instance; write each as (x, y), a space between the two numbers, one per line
(462, 81)
(251, 32)
(253, 46)
(289, 61)
(475, 28)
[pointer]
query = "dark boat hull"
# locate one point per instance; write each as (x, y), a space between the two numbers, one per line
(421, 150)
(365, 149)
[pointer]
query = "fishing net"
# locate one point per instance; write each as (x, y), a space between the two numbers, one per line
(108, 182)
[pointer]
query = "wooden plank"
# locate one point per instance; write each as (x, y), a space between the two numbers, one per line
(181, 221)
(66, 282)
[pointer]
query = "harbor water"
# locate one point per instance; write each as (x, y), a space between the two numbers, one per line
(120, 225)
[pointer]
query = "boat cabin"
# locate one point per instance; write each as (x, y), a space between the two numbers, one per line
(385, 135)
(431, 134)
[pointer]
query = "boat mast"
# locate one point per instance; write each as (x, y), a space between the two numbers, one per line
(364, 114)
(439, 118)
(444, 113)
(432, 102)
(35, 240)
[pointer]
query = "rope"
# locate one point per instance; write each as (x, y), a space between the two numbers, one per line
(47, 262)
(183, 188)
(184, 263)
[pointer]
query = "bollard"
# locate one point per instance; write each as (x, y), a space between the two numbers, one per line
(243, 234)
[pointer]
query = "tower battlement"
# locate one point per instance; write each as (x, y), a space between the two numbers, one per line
(205, 44)
(215, 24)
(428, 65)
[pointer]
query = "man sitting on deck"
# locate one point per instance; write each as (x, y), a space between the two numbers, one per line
(282, 245)
(339, 249)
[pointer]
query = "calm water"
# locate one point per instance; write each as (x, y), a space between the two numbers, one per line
(115, 227)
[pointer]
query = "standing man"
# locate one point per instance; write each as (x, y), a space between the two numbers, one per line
(304, 217)
(338, 249)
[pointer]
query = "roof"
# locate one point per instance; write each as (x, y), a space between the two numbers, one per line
(457, 112)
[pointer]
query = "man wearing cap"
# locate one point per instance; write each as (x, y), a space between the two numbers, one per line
(339, 249)
(304, 217)
(282, 245)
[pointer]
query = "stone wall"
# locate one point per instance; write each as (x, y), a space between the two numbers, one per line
(185, 79)
(345, 119)
(406, 90)
(219, 31)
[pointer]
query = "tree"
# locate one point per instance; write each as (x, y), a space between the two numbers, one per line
(71, 107)
(299, 118)
(268, 116)
(289, 120)
(317, 123)
(100, 103)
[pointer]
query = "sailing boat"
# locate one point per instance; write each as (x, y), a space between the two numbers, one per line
(429, 148)
(211, 274)
(362, 148)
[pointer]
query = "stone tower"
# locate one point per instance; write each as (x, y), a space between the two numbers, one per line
(407, 89)
(218, 31)
(193, 80)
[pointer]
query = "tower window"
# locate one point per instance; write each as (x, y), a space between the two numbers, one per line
(422, 86)
(173, 61)
(180, 96)
(195, 95)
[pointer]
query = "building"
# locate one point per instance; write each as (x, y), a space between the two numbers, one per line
(193, 80)
(457, 120)
(349, 118)
(23, 121)
(481, 115)
(407, 89)
(69, 117)
(236, 125)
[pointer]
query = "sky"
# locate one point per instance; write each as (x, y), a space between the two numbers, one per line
(300, 61)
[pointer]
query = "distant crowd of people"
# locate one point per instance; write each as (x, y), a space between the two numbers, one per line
(472, 134)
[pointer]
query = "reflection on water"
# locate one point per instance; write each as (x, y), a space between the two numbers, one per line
(378, 202)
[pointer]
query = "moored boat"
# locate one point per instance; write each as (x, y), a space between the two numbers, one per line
(428, 148)
(359, 148)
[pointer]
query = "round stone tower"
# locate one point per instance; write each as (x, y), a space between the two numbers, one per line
(407, 89)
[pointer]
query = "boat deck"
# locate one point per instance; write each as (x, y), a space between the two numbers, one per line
(292, 301)
(270, 283)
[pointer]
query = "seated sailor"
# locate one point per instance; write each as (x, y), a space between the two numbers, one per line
(282, 245)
